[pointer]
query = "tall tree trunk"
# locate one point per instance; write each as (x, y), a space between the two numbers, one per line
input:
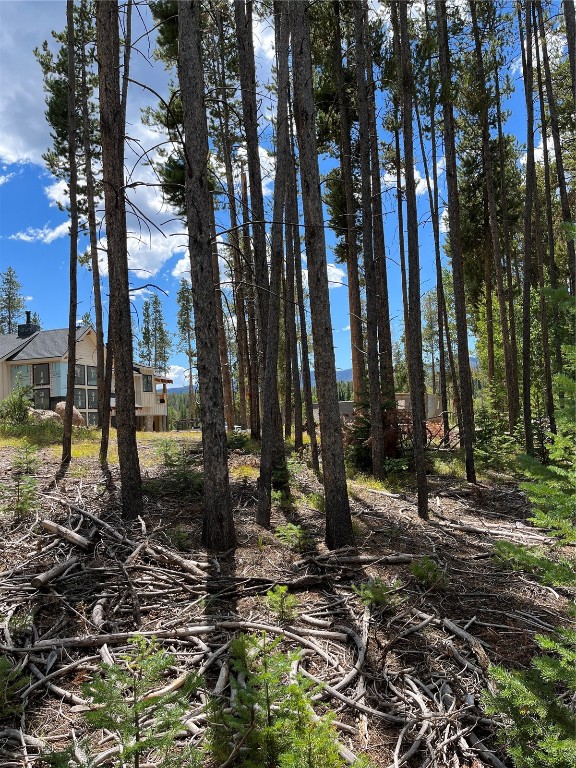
(554, 125)
(570, 20)
(247, 68)
(252, 340)
(290, 229)
(338, 520)
(92, 230)
(527, 69)
(488, 295)
(292, 216)
(270, 422)
(506, 229)
(354, 300)
(222, 341)
(374, 393)
(73, 263)
(511, 388)
(401, 241)
(467, 417)
(379, 250)
(218, 524)
(112, 129)
(416, 368)
(552, 266)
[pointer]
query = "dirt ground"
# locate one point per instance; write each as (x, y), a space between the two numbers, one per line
(404, 676)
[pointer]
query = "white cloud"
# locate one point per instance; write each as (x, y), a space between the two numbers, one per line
(389, 181)
(179, 374)
(6, 178)
(28, 298)
(444, 223)
(336, 276)
(45, 235)
(57, 193)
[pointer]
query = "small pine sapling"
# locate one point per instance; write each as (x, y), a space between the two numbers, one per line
(281, 603)
(538, 705)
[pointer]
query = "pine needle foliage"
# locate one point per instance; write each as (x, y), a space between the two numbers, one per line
(538, 705)
(270, 723)
(145, 723)
(11, 683)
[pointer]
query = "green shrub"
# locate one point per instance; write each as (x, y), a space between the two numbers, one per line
(281, 603)
(241, 442)
(294, 536)
(14, 408)
(271, 721)
(11, 683)
(26, 460)
(125, 704)
(540, 722)
(429, 573)
(518, 557)
(374, 592)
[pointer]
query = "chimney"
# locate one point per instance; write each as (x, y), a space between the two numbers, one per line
(28, 328)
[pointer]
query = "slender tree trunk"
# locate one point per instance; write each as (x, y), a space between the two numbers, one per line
(218, 524)
(401, 242)
(467, 417)
(511, 388)
(570, 20)
(290, 309)
(527, 69)
(106, 404)
(191, 393)
(292, 216)
(354, 301)
(222, 342)
(243, 18)
(338, 520)
(552, 266)
(374, 394)
(554, 125)
(73, 191)
(252, 340)
(270, 393)
(379, 250)
(416, 369)
(112, 130)
(92, 230)
(489, 308)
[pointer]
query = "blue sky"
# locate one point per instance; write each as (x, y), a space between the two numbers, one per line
(33, 231)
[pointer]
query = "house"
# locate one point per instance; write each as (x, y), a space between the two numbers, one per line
(39, 359)
(433, 406)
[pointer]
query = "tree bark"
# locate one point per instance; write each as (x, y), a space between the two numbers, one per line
(112, 130)
(527, 69)
(416, 369)
(270, 421)
(554, 125)
(73, 258)
(467, 417)
(570, 20)
(511, 387)
(338, 520)
(218, 524)
(354, 301)
(374, 393)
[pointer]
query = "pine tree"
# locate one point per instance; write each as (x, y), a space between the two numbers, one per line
(185, 340)
(12, 302)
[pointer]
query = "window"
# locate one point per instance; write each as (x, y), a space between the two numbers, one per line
(147, 383)
(42, 399)
(41, 374)
(80, 398)
(93, 399)
(92, 419)
(92, 378)
(80, 375)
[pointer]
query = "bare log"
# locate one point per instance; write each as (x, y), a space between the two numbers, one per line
(66, 533)
(44, 578)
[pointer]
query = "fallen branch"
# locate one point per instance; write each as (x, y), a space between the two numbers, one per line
(66, 533)
(41, 579)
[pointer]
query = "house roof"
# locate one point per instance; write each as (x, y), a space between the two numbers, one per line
(43, 344)
(9, 344)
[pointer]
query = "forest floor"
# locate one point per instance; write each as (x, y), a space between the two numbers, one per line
(400, 629)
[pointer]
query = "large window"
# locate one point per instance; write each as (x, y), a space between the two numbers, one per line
(80, 375)
(92, 419)
(92, 378)
(80, 398)
(41, 374)
(147, 383)
(93, 399)
(42, 399)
